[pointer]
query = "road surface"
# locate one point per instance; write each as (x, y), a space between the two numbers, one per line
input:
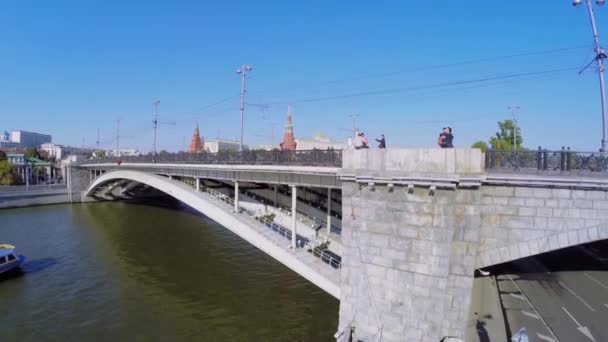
(559, 296)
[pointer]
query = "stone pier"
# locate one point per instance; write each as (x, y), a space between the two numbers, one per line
(411, 227)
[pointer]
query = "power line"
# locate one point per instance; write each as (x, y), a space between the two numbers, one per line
(431, 86)
(446, 65)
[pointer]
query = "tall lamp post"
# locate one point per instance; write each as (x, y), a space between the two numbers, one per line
(243, 72)
(514, 110)
(600, 55)
(155, 102)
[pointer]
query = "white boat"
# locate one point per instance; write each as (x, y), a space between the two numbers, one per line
(9, 260)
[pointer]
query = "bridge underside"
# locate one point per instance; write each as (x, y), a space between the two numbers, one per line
(304, 260)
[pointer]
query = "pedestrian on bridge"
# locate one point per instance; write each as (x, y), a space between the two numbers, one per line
(382, 141)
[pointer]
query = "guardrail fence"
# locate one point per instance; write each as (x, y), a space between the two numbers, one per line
(564, 161)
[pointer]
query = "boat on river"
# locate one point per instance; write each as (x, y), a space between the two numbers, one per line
(9, 260)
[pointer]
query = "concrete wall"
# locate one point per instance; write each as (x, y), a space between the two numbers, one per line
(33, 198)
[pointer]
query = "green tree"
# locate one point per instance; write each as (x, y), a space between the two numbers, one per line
(8, 173)
(482, 145)
(505, 136)
(100, 154)
(3, 156)
(31, 152)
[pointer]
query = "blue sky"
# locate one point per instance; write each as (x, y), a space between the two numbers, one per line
(71, 67)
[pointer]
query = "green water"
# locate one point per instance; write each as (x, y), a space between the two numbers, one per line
(136, 272)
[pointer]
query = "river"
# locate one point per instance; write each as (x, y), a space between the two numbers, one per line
(118, 271)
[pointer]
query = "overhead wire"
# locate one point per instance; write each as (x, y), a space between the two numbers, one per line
(430, 86)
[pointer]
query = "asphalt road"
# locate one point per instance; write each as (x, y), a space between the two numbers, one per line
(559, 296)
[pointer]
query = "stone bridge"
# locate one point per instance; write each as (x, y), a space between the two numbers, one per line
(415, 224)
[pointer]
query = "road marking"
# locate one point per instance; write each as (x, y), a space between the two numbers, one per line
(545, 337)
(520, 297)
(529, 314)
(575, 295)
(597, 281)
(584, 330)
(606, 305)
(533, 308)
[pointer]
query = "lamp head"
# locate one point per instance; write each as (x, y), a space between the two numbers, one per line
(600, 2)
(576, 2)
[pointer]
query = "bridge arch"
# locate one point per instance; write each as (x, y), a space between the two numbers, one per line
(544, 244)
(232, 222)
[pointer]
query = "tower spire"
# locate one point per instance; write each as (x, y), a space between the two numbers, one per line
(289, 141)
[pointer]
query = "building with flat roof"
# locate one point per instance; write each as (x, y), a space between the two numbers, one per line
(30, 139)
(320, 142)
(59, 152)
(222, 145)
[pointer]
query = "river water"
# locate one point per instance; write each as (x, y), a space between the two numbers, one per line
(119, 271)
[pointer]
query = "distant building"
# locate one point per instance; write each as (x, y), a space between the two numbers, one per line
(320, 142)
(32, 170)
(222, 145)
(29, 139)
(62, 151)
(197, 145)
(123, 152)
(289, 142)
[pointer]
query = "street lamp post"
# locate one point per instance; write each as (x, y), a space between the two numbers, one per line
(155, 102)
(600, 55)
(514, 110)
(243, 72)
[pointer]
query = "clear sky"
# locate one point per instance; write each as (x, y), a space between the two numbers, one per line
(69, 68)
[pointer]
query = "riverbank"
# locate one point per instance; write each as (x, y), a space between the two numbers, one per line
(21, 196)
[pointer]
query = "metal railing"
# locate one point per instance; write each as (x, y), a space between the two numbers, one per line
(326, 256)
(329, 158)
(564, 161)
(316, 223)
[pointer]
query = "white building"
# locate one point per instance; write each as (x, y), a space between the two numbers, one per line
(62, 151)
(29, 139)
(319, 142)
(123, 152)
(222, 145)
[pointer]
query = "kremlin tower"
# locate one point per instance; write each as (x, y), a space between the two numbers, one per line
(289, 141)
(197, 145)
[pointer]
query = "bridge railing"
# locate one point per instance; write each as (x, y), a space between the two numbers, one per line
(329, 157)
(326, 256)
(541, 161)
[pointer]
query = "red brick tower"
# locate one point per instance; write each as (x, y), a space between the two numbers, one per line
(289, 141)
(197, 145)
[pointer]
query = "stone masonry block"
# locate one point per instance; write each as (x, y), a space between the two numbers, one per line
(563, 239)
(600, 204)
(544, 212)
(561, 193)
(501, 200)
(504, 191)
(505, 210)
(540, 222)
(517, 201)
(527, 211)
(535, 202)
(596, 195)
(542, 193)
(582, 203)
(524, 192)
(551, 203)
(573, 238)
